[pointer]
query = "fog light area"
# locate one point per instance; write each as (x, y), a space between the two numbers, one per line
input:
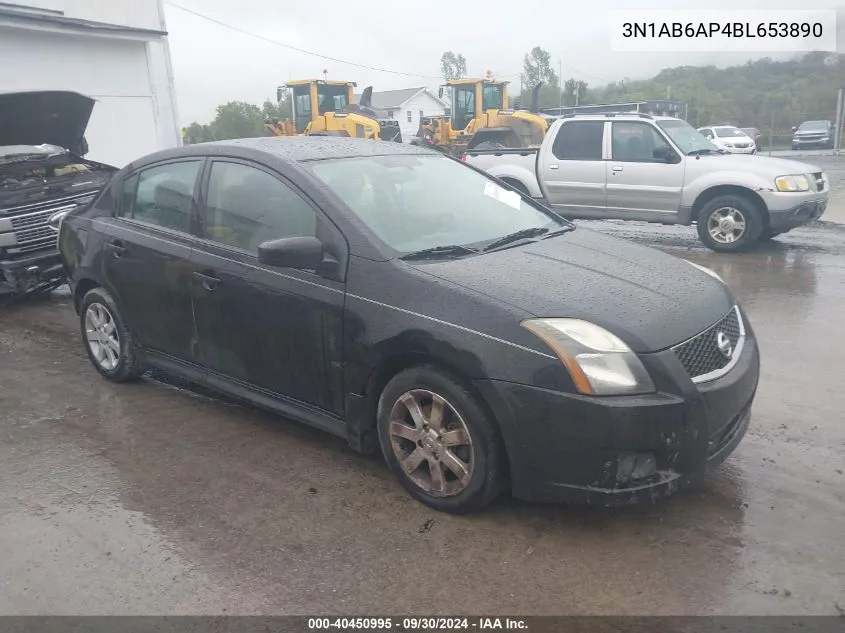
(635, 466)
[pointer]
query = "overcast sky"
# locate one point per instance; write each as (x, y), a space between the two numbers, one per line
(214, 64)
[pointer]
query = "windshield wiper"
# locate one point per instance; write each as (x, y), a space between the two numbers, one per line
(516, 236)
(565, 229)
(436, 252)
(699, 152)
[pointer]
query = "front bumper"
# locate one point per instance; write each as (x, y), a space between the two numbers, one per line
(741, 150)
(798, 143)
(24, 273)
(574, 449)
(797, 215)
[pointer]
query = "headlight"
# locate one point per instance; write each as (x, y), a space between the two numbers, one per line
(704, 269)
(797, 182)
(599, 362)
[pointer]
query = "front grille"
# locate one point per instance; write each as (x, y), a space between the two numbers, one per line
(30, 223)
(701, 356)
(742, 145)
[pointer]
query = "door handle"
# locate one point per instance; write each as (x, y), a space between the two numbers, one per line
(209, 282)
(617, 168)
(116, 247)
(553, 166)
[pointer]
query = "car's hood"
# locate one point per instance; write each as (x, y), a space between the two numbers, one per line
(800, 133)
(767, 166)
(54, 117)
(648, 298)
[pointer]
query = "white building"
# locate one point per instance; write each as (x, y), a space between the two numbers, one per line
(115, 51)
(407, 106)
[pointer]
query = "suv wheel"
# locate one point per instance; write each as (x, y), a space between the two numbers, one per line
(439, 441)
(109, 343)
(729, 223)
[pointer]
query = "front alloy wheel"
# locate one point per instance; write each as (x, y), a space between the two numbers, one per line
(726, 225)
(431, 442)
(729, 223)
(439, 440)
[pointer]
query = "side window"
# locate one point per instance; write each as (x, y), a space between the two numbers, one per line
(635, 142)
(247, 206)
(579, 140)
(162, 195)
(410, 116)
(707, 132)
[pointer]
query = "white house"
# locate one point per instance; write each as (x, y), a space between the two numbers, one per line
(115, 51)
(407, 106)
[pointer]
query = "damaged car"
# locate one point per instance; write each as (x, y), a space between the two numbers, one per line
(43, 176)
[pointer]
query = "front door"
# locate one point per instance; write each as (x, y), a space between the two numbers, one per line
(147, 257)
(640, 186)
(572, 172)
(277, 330)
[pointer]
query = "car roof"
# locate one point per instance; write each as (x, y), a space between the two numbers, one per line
(308, 148)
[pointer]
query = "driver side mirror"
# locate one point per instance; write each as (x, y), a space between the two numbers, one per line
(794, 127)
(302, 253)
(665, 154)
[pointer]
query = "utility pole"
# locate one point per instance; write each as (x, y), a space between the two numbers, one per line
(840, 106)
(560, 80)
(772, 131)
(577, 91)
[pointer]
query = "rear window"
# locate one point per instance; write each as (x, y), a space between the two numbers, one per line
(579, 140)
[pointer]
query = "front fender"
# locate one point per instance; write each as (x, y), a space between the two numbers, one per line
(752, 182)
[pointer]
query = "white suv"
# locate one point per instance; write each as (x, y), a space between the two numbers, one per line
(730, 138)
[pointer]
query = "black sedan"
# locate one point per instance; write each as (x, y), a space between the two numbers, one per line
(397, 298)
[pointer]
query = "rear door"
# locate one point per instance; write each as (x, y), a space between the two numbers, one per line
(572, 169)
(639, 186)
(146, 261)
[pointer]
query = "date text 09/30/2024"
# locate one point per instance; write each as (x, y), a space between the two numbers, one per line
(379, 624)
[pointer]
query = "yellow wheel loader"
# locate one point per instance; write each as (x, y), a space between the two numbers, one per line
(481, 119)
(323, 107)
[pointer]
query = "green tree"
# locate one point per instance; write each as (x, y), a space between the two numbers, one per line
(238, 119)
(536, 67)
(453, 66)
(575, 92)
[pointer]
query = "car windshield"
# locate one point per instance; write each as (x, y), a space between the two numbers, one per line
(419, 202)
(813, 126)
(728, 131)
(686, 137)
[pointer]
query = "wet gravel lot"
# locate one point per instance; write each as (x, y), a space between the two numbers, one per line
(148, 498)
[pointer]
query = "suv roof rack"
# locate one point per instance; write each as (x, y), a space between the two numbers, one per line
(642, 115)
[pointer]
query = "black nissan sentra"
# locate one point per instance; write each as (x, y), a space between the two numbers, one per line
(404, 301)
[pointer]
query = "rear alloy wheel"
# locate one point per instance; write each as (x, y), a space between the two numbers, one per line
(729, 223)
(439, 441)
(109, 343)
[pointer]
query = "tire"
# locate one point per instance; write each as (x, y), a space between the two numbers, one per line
(482, 456)
(735, 207)
(489, 145)
(768, 234)
(122, 363)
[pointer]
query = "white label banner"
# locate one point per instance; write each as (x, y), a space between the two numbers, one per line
(766, 31)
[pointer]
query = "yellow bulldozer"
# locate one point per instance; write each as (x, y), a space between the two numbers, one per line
(481, 118)
(323, 107)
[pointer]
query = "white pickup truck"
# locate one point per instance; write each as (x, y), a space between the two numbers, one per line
(660, 169)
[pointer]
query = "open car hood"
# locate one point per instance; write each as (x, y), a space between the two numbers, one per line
(54, 117)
